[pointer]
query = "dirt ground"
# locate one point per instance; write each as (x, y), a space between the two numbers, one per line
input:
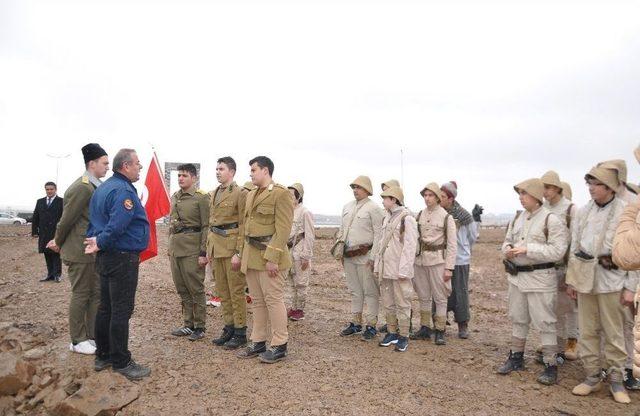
(324, 373)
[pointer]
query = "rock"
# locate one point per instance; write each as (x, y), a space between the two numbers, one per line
(54, 399)
(46, 381)
(6, 405)
(15, 374)
(34, 354)
(42, 394)
(101, 394)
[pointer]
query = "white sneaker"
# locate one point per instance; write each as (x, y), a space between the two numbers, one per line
(83, 347)
(92, 342)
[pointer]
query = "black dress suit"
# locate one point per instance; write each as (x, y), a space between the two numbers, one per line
(45, 219)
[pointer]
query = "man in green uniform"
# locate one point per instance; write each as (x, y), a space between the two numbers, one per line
(223, 248)
(188, 234)
(69, 241)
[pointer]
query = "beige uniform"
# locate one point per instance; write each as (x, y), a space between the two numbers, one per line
(566, 308)
(268, 216)
(600, 309)
(301, 238)
(394, 266)
(438, 250)
(361, 225)
(533, 294)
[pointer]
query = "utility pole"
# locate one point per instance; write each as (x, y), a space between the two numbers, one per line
(57, 157)
(401, 167)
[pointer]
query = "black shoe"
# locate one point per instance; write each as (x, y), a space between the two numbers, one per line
(227, 333)
(134, 371)
(383, 329)
(423, 333)
(351, 329)
(560, 358)
(99, 364)
(274, 354)
(630, 382)
(369, 333)
(515, 362)
(47, 279)
(182, 332)
(439, 337)
(57, 279)
(239, 339)
(389, 339)
(197, 334)
(253, 349)
(549, 376)
(402, 344)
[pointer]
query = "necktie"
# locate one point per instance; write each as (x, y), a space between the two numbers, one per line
(48, 202)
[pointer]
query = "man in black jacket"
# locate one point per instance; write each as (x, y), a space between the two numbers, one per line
(45, 218)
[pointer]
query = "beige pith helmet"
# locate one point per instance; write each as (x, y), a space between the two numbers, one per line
(636, 153)
(533, 187)
(433, 187)
(248, 185)
(298, 187)
(390, 183)
(396, 192)
(363, 182)
(551, 178)
(566, 190)
(634, 188)
(619, 165)
(607, 176)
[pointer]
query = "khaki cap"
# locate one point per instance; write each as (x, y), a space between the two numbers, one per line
(394, 192)
(298, 187)
(363, 182)
(433, 187)
(533, 187)
(551, 178)
(390, 183)
(619, 165)
(566, 190)
(634, 188)
(607, 176)
(248, 185)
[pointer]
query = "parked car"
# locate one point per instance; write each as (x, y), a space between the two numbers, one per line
(6, 218)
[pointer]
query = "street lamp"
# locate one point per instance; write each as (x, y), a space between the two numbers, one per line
(57, 157)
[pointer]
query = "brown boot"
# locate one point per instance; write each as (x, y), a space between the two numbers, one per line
(571, 349)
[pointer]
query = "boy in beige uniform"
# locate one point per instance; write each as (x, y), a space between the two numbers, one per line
(300, 244)
(360, 232)
(603, 292)
(536, 240)
(434, 264)
(566, 308)
(394, 267)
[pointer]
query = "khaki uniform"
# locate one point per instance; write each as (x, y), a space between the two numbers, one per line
(187, 241)
(438, 253)
(600, 310)
(361, 225)
(302, 237)
(394, 267)
(268, 214)
(566, 308)
(85, 282)
(533, 295)
(226, 224)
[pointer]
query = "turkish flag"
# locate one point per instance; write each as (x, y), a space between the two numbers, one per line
(157, 206)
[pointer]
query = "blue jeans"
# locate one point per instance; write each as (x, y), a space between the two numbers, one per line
(118, 282)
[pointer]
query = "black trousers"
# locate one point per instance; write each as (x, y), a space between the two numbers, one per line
(458, 300)
(54, 264)
(118, 283)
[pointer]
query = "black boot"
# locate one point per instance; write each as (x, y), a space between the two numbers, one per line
(630, 382)
(274, 354)
(239, 339)
(515, 362)
(423, 333)
(252, 350)
(439, 337)
(227, 333)
(549, 376)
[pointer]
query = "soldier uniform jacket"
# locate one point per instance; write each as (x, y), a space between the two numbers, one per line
(528, 230)
(72, 227)
(189, 209)
(431, 229)
(268, 212)
(226, 207)
(399, 255)
(366, 227)
(302, 223)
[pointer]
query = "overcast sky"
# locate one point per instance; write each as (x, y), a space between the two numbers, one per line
(485, 93)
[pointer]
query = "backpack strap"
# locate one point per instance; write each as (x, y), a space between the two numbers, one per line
(568, 216)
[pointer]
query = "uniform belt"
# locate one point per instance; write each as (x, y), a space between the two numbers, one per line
(258, 242)
(296, 238)
(533, 267)
(432, 247)
(188, 230)
(356, 251)
(223, 228)
(607, 263)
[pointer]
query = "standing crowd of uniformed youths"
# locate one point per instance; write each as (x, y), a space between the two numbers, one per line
(558, 259)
